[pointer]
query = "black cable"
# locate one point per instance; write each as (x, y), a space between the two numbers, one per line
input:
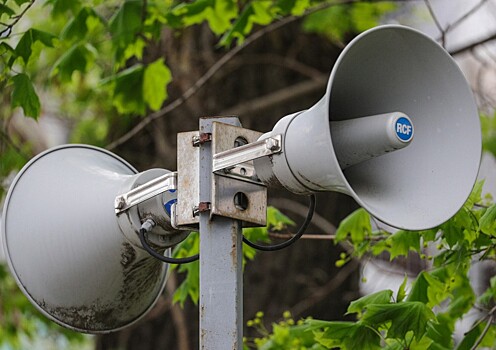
(160, 257)
(268, 248)
(298, 234)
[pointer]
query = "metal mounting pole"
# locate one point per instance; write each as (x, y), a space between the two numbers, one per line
(221, 279)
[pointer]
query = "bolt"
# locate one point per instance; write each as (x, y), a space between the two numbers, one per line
(201, 139)
(272, 144)
(200, 208)
(196, 141)
(119, 202)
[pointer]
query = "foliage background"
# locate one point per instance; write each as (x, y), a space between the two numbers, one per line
(129, 74)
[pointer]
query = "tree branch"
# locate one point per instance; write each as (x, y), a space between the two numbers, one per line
(486, 328)
(206, 77)
(276, 60)
(456, 23)
(322, 236)
(283, 95)
(5, 33)
(322, 292)
(298, 208)
(220, 64)
(472, 46)
(7, 139)
(436, 22)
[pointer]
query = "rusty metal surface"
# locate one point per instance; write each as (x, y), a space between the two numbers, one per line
(225, 188)
(187, 178)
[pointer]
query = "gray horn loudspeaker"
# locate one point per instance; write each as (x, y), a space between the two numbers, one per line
(78, 262)
(397, 129)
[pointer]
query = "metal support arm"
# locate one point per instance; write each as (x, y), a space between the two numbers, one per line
(146, 191)
(246, 153)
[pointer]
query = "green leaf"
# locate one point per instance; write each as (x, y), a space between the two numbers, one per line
(254, 234)
(428, 235)
(357, 225)
(21, 2)
(77, 58)
(24, 96)
(190, 287)
(359, 305)
(427, 289)
(400, 296)
(402, 242)
(6, 10)
(277, 220)
(404, 317)
(134, 49)
(218, 13)
(79, 26)
(6, 48)
(293, 7)
(441, 333)
(471, 337)
(365, 15)
(256, 12)
(336, 22)
(487, 222)
(333, 22)
(490, 294)
(488, 126)
(475, 195)
(29, 38)
(452, 232)
(128, 91)
(348, 335)
(156, 77)
(125, 24)
(61, 7)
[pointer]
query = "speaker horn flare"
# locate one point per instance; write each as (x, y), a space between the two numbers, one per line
(75, 260)
(335, 146)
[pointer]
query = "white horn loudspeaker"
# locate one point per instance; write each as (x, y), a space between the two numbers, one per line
(397, 129)
(77, 261)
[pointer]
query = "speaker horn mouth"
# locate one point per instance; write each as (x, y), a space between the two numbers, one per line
(64, 246)
(396, 68)
(383, 70)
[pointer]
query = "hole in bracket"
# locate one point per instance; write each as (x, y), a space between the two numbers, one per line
(241, 201)
(240, 141)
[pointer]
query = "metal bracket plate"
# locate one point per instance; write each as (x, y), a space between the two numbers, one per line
(225, 188)
(188, 170)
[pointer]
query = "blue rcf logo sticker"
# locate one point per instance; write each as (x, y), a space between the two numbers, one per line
(168, 205)
(404, 129)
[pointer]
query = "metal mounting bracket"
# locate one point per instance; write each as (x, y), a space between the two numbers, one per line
(144, 192)
(242, 154)
(236, 192)
(235, 197)
(188, 172)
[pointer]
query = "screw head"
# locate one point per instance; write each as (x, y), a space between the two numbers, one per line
(272, 144)
(119, 202)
